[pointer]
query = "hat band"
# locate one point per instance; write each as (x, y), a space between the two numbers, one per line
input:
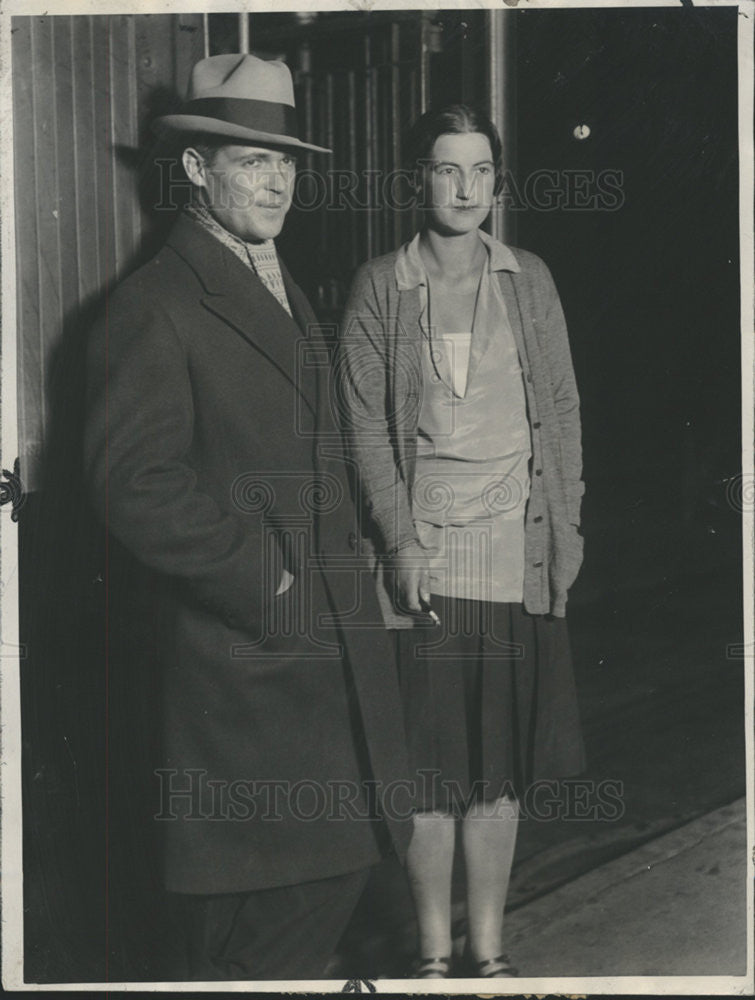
(261, 116)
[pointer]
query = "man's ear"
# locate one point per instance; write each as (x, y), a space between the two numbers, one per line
(194, 166)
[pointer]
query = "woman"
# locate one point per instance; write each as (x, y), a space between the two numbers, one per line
(462, 420)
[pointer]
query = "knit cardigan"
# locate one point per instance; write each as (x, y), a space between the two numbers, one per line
(379, 380)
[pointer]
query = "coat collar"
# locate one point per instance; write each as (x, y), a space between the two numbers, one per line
(235, 294)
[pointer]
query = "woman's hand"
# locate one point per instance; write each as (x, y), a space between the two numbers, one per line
(411, 578)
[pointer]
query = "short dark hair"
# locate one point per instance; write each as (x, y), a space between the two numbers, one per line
(452, 119)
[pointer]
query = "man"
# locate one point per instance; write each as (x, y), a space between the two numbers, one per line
(215, 460)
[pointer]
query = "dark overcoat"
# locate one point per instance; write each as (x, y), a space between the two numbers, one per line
(213, 455)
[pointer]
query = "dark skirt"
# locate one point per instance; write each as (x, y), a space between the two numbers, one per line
(490, 704)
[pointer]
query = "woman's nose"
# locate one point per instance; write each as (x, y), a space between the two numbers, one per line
(463, 188)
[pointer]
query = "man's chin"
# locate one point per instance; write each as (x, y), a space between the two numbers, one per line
(265, 226)
(261, 234)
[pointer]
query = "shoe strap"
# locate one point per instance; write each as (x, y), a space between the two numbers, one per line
(490, 968)
(425, 967)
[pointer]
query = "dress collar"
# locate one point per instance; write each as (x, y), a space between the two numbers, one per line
(410, 270)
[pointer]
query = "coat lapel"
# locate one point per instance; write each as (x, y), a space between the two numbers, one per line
(313, 368)
(237, 296)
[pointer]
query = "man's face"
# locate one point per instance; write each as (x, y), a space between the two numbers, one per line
(247, 188)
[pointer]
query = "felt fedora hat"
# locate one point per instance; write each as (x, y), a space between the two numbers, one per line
(242, 97)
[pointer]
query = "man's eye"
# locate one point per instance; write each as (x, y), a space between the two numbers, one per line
(290, 161)
(252, 162)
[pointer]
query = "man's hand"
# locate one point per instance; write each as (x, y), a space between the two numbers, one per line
(411, 577)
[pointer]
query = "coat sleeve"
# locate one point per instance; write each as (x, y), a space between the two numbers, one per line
(364, 383)
(565, 397)
(138, 434)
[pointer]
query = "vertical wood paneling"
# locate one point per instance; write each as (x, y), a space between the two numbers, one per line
(84, 157)
(369, 138)
(205, 35)
(103, 152)
(46, 198)
(188, 47)
(29, 386)
(424, 80)
(157, 64)
(123, 139)
(351, 122)
(327, 130)
(158, 89)
(65, 144)
(395, 119)
(84, 89)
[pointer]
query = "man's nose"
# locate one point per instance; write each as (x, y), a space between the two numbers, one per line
(277, 177)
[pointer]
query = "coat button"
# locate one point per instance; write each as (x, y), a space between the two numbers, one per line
(352, 540)
(537, 565)
(537, 425)
(538, 519)
(538, 472)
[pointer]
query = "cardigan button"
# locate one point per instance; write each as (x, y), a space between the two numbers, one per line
(352, 540)
(538, 519)
(538, 472)
(537, 565)
(537, 425)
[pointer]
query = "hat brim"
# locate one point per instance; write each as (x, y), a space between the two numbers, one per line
(216, 126)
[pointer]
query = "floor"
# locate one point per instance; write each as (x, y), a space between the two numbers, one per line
(674, 907)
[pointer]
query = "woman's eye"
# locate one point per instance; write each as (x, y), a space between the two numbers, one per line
(484, 170)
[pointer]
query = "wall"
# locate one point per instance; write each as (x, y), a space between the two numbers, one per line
(83, 90)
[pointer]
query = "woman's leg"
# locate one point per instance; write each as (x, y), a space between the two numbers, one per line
(489, 832)
(429, 864)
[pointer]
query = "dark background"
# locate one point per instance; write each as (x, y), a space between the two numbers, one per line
(651, 295)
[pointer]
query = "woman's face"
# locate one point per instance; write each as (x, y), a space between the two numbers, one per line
(458, 183)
